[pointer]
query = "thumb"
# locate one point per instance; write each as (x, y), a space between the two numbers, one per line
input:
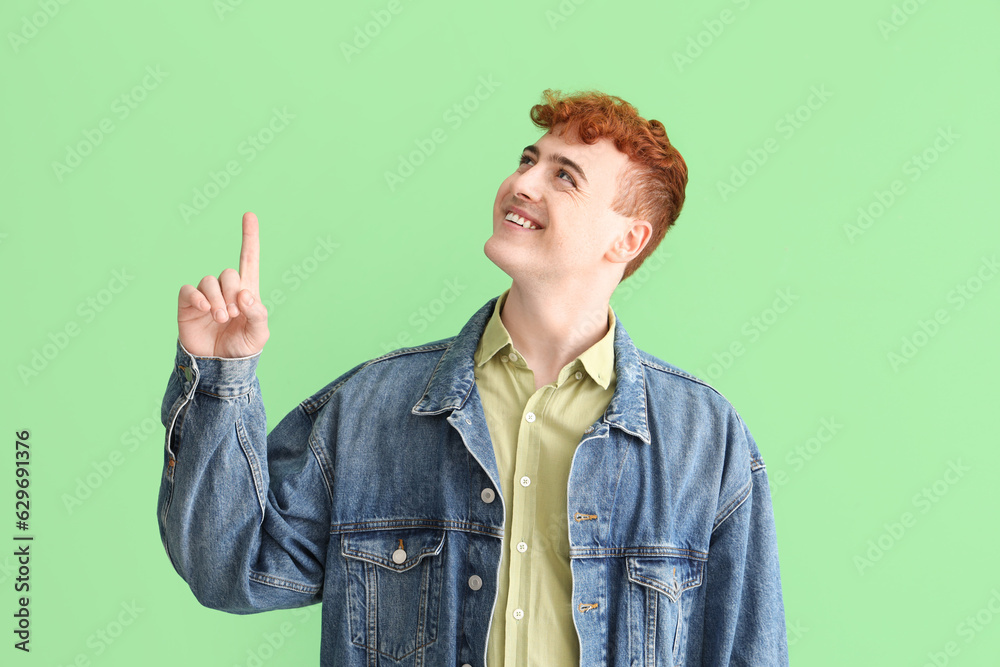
(252, 309)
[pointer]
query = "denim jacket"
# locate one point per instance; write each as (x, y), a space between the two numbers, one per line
(378, 496)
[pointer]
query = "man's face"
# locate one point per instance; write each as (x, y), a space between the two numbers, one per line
(565, 187)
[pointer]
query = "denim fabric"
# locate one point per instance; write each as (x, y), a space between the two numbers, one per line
(369, 497)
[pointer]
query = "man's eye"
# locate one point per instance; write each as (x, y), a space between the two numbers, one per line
(565, 175)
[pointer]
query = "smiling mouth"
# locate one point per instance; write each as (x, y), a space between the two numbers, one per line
(518, 220)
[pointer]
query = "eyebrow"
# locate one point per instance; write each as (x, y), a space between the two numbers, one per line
(560, 159)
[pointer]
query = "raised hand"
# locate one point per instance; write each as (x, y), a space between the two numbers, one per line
(224, 317)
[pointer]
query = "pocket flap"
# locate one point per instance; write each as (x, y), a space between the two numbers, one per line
(398, 549)
(670, 575)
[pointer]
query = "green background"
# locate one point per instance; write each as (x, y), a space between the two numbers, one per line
(886, 556)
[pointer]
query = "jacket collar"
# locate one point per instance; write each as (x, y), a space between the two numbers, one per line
(597, 360)
(453, 379)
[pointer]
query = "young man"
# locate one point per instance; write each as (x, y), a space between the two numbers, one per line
(533, 491)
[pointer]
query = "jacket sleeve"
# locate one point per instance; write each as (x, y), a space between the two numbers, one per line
(243, 516)
(744, 609)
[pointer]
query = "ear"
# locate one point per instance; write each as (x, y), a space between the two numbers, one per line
(631, 241)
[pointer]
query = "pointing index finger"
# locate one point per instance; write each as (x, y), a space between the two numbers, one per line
(250, 254)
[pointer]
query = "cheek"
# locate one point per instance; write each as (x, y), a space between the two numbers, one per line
(503, 191)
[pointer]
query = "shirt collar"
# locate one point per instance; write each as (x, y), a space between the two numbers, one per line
(598, 359)
(453, 382)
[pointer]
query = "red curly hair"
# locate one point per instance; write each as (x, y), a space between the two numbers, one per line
(652, 188)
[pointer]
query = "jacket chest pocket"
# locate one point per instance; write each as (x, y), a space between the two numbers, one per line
(393, 589)
(660, 599)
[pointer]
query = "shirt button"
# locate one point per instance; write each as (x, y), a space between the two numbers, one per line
(488, 495)
(475, 583)
(522, 547)
(513, 356)
(579, 375)
(530, 417)
(518, 614)
(504, 358)
(398, 556)
(525, 481)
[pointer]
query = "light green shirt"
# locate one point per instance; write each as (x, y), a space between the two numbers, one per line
(535, 434)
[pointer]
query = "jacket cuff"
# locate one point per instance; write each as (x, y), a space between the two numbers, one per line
(216, 376)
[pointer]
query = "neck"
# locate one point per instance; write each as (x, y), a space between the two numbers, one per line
(552, 328)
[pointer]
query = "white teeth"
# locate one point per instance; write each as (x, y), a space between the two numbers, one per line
(515, 218)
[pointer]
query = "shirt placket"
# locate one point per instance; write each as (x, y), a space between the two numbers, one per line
(524, 505)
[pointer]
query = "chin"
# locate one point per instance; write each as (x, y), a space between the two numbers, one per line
(493, 250)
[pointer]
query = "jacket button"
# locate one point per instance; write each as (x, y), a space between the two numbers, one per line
(488, 495)
(475, 583)
(398, 556)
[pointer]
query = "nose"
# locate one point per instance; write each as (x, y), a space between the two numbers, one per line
(527, 185)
